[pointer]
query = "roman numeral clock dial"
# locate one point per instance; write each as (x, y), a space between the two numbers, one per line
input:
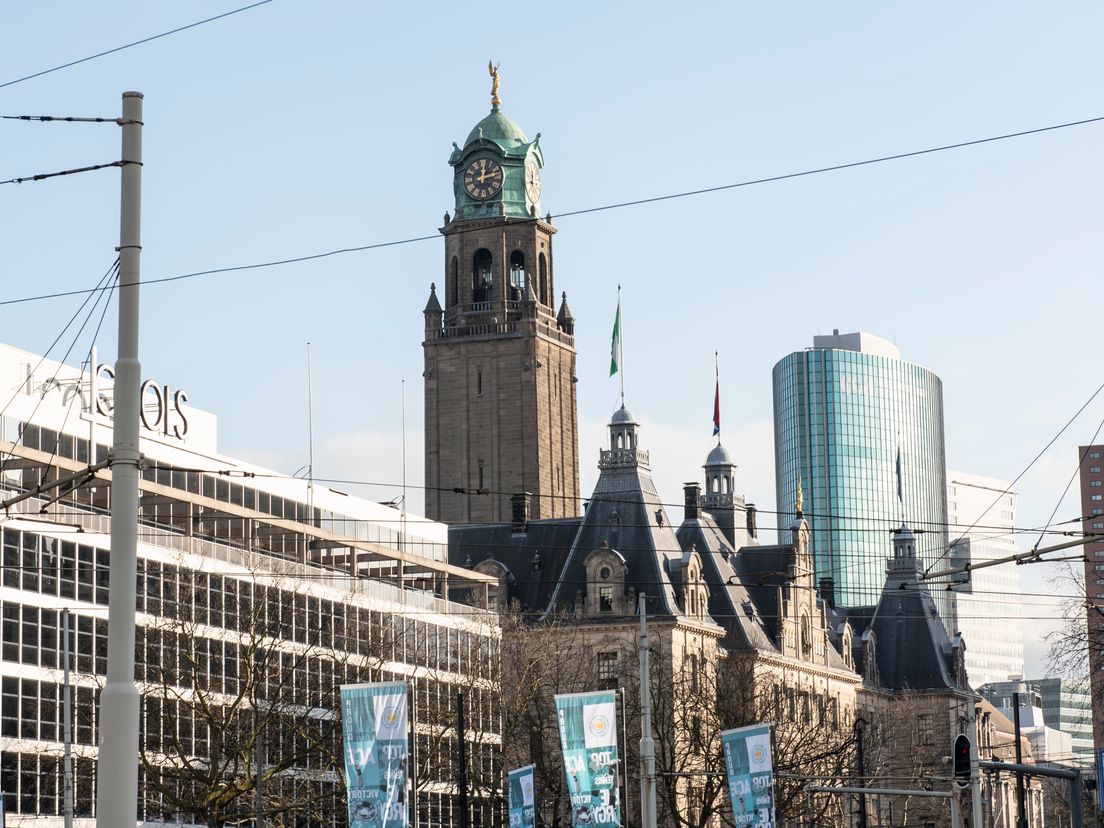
(483, 178)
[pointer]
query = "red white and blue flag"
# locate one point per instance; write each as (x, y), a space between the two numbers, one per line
(717, 403)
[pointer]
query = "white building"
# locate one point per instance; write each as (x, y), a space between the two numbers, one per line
(338, 589)
(986, 608)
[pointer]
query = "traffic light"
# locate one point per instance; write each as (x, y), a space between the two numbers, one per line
(962, 760)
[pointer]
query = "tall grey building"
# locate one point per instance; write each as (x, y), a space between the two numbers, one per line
(861, 430)
(986, 605)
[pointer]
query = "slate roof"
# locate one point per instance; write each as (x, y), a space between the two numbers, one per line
(730, 603)
(625, 512)
(912, 647)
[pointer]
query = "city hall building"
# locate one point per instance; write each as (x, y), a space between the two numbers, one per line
(257, 592)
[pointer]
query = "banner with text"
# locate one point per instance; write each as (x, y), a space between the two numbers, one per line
(373, 723)
(588, 736)
(747, 754)
(523, 803)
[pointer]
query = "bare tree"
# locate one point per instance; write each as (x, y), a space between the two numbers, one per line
(242, 673)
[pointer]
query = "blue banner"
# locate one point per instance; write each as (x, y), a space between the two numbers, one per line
(374, 732)
(747, 754)
(1100, 779)
(588, 736)
(522, 797)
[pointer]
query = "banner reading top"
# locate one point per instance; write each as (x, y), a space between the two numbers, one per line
(588, 736)
(522, 797)
(374, 733)
(747, 755)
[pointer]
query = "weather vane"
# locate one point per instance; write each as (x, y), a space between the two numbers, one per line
(492, 68)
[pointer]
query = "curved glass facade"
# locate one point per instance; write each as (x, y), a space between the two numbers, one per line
(840, 417)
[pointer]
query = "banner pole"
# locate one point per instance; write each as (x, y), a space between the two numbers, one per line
(414, 755)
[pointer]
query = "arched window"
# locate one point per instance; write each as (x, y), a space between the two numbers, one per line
(544, 290)
(517, 275)
(724, 485)
(715, 484)
(454, 285)
(482, 276)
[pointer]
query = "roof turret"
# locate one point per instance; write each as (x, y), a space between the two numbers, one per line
(433, 305)
(719, 456)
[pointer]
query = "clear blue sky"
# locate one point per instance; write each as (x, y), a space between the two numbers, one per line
(300, 127)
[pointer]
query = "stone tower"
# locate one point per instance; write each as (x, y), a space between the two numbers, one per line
(500, 409)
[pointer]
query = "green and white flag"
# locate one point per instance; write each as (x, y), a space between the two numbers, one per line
(615, 345)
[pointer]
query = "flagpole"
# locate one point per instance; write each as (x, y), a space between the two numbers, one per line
(621, 347)
(717, 401)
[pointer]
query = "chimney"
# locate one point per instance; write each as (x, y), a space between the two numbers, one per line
(752, 529)
(692, 497)
(828, 591)
(520, 508)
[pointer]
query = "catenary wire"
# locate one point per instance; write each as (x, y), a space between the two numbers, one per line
(109, 274)
(587, 210)
(1026, 469)
(133, 43)
(74, 171)
(1076, 471)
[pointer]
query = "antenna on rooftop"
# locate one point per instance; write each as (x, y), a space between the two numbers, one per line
(310, 438)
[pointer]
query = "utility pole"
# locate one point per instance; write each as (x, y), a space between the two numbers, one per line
(647, 743)
(67, 734)
(258, 752)
(860, 722)
(1021, 810)
(975, 771)
(117, 767)
(462, 762)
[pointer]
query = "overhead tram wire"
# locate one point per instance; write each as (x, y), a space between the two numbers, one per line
(587, 210)
(1026, 469)
(893, 523)
(109, 274)
(177, 30)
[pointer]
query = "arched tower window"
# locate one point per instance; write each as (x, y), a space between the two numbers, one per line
(517, 275)
(482, 276)
(544, 290)
(453, 297)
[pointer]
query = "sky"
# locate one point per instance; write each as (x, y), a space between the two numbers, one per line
(297, 128)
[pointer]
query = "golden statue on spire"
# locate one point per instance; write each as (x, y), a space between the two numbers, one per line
(492, 68)
(799, 501)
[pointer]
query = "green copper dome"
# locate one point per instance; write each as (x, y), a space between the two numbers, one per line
(500, 129)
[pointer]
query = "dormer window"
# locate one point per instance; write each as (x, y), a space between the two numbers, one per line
(605, 598)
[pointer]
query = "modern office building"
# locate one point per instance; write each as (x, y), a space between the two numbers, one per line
(861, 431)
(256, 592)
(1063, 704)
(985, 604)
(1091, 459)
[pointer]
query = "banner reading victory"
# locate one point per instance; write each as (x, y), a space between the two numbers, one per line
(523, 804)
(747, 753)
(588, 736)
(373, 722)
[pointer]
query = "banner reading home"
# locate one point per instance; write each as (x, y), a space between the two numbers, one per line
(747, 753)
(523, 803)
(373, 721)
(588, 736)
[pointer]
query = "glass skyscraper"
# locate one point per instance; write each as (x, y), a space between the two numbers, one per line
(848, 413)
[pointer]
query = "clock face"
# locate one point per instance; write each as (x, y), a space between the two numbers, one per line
(483, 178)
(532, 182)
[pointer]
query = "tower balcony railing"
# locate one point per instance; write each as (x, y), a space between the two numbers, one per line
(717, 500)
(623, 458)
(487, 329)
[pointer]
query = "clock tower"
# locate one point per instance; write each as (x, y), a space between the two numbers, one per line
(501, 431)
